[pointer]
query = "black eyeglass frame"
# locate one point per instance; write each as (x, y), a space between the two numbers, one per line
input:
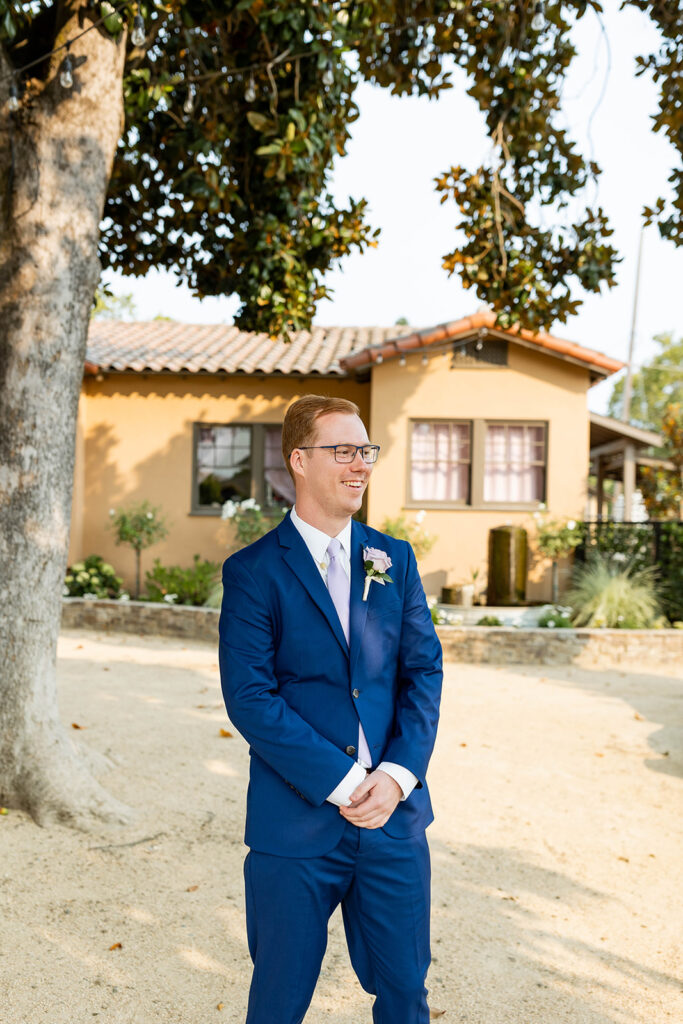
(358, 448)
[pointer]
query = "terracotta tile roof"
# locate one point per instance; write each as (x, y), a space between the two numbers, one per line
(160, 346)
(163, 346)
(484, 320)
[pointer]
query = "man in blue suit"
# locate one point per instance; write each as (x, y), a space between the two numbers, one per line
(333, 676)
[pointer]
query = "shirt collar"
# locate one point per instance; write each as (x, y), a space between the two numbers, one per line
(317, 541)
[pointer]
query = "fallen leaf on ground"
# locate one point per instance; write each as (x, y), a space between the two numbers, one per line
(638, 717)
(226, 732)
(3, 810)
(117, 945)
(192, 888)
(433, 1012)
(220, 1006)
(463, 744)
(80, 647)
(625, 859)
(598, 754)
(75, 725)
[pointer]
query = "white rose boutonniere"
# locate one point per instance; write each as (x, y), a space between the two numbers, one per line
(376, 563)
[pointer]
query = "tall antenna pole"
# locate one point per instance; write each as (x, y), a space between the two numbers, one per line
(628, 383)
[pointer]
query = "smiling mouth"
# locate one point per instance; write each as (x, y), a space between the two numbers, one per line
(355, 485)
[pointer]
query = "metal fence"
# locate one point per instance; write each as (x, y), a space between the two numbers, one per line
(656, 543)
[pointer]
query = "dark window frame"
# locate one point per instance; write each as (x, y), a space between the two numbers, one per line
(437, 503)
(258, 460)
(476, 502)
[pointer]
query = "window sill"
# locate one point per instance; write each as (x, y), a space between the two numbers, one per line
(459, 506)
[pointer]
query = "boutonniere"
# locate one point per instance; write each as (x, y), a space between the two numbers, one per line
(376, 563)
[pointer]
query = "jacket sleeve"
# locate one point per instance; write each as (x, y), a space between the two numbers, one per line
(307, 761)
(420, 677)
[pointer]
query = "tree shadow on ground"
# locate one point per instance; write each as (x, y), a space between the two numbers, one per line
(656, 698)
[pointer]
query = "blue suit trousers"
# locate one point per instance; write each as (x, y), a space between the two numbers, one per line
(383, 886)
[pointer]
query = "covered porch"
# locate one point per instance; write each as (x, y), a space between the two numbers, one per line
(616, 450)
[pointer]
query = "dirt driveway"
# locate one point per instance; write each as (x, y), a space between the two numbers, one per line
(557, 852)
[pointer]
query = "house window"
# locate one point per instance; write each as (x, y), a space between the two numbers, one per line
(238, 461)
(477, 463)
(440, 462)
(514, 463)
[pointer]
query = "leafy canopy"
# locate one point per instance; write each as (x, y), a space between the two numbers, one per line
(229, 185)
(656, 385)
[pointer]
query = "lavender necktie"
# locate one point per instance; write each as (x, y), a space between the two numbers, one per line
(338, 584)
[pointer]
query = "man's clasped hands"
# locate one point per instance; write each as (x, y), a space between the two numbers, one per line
(373, 801)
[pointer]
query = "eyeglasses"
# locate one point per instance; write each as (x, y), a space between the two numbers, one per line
(347, 452)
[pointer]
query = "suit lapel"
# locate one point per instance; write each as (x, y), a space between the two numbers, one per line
(359, 607)
(299, 560)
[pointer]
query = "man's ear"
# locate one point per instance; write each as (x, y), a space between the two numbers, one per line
(296, 461)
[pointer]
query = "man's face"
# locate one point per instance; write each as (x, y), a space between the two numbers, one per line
(336, 488)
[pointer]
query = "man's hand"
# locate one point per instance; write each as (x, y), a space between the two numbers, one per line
(373, 801)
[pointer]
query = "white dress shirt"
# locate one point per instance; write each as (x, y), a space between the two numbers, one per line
(317, 543)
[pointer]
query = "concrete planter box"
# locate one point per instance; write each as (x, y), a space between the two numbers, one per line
(502, 645)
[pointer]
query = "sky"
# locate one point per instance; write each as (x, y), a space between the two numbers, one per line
(399, 145)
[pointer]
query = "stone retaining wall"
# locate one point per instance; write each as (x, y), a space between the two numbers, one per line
(474, 644)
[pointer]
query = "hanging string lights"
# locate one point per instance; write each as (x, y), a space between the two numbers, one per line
(538, 20)
(138, 39)
(137, 36)
(66, 73)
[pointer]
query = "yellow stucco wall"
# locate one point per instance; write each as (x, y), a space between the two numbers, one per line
(137, 444)
(532, 386)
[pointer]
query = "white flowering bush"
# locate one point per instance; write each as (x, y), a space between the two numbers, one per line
(556, 616)
(249, 520)
(445, 617)
(420, 539)
(92, 578)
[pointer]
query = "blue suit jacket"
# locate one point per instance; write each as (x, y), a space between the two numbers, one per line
(288, 679)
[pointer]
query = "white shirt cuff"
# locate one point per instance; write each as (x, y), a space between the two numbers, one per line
(341, 793)
(405, 778)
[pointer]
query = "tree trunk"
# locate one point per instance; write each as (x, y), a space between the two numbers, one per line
(555, 582)
(64, 143)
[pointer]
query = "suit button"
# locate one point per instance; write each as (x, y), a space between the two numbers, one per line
(355, 693)
(350, 751)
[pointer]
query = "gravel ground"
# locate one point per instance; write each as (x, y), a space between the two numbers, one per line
(556, 850)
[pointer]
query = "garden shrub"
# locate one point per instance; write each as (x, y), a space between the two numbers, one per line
(489, 620)
(609, 591)
(555, 617)
(175, 585)
(420, 539)
(92, 577)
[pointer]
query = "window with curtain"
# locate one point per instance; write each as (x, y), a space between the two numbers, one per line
(440, 461)
(237, 461)
(514, 462)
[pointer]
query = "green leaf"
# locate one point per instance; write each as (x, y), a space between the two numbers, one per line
(258, 121)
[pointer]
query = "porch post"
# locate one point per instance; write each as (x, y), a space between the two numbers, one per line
(599, 486)
(629, 480)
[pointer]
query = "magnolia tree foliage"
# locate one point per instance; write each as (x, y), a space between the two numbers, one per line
(235, 112)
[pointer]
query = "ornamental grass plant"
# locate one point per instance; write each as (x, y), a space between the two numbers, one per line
(610, 593)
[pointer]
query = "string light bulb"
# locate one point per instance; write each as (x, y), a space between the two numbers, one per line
(250, 91)
(328, 75)
(66, 75)
(137, 36)
(13, 100)
(425, 359)
(188, 105)
(402, 360)
(538, 20)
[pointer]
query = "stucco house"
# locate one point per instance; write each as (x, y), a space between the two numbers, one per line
(477, 425)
